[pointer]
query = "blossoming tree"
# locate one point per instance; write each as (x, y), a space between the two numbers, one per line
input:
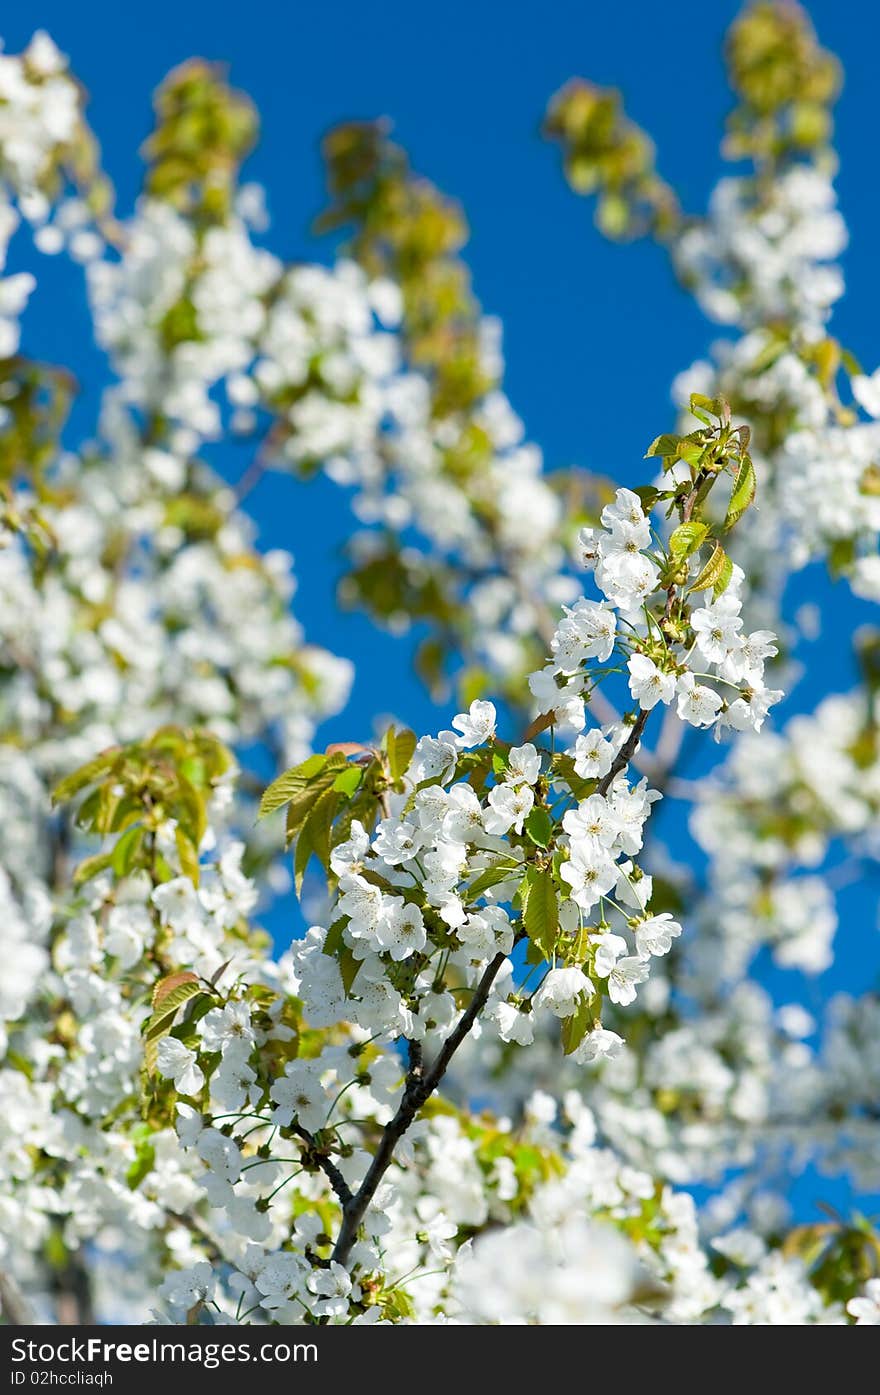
(479, 1087)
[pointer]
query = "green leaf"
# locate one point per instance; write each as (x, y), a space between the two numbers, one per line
(673, 448)
(91, 867)
(665, 445)
(562, 766)
(314, 838)
(304, 851)
(188, 807)
(687, 538)
(575, 1028)
(540, 909)
(841, 556)
(716, 407)
(125, 811)
(489, 878)
(347, 780)
(89, 813)
(335, 946)
(721, 585)
(690, 451)
(648, 495)
(169, 996)
(364, 806)
(189, 858)
(86, 775)
(349, 968)
(126, 850)
(282, 790)
(196, 1009)
(851, 363)
(534, 955)
(713, 570)
(143, 1164)
(743, 491)
(539, 826)
(183, 984)
(333, 941)
(400, 1304)
(19, 1063)
(479, 767)
(319, 824)
(302, 804)
(192, 768)
(400, 746)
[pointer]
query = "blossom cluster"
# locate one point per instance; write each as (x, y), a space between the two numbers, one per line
(310, 355)
(759, 259)
(194, 1122)
(662, 652)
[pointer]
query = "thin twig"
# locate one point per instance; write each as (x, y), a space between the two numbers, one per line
(625, 755)
(250, 479)
(328, 1167)
(418, 1089)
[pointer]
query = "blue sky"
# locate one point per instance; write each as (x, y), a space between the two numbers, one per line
(594, 333)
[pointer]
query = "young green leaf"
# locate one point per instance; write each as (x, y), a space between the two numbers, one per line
(301, 805)
(347, 780)
(126, 850)
(288, 785)
(716, 407)
(145, 1159)
(169, 984)
(169, 995)
(400, 746)
(539, 826)
(540, 909)
(349, 967)
(91, 867)
(189, 857)
(86, 775)
(713, 569)
(687, 538)
(304, 851)
(723, 581)
(743, 491)
(665, 445)
(575, 1028)
(489, 878)
(319, 824)
(333, 941)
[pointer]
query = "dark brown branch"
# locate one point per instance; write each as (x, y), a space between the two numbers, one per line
(327, 1166)
(625, 754)
(418, 1089)
(416, 1063)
